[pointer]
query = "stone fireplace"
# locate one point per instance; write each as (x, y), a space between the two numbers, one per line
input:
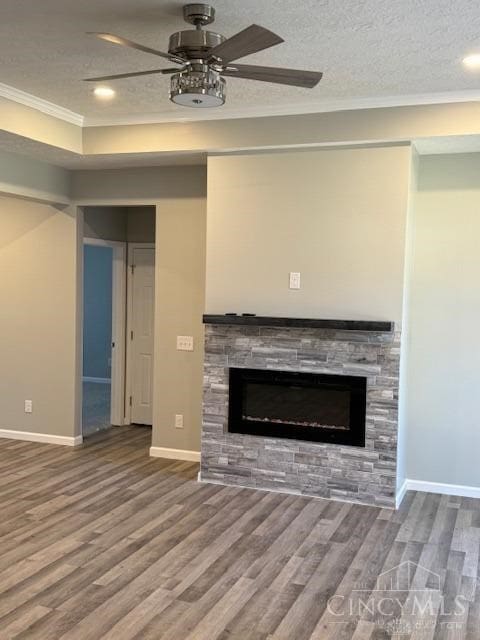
(302, 406)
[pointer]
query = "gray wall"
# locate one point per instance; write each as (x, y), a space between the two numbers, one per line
(97, 311)
(443, 436)
(30, 178)
(141, 224)
(105, 223)
(137, 186)
(179, 194)
(122, 224)
(337, 216)
(38, 317)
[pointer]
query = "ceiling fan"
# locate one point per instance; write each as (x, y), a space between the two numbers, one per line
(205, 57)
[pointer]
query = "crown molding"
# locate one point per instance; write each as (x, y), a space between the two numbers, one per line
(50, 109)
(346, 104)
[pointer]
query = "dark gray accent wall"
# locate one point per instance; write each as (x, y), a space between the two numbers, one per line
(97, 319)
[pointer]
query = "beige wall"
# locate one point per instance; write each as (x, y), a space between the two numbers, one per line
(38, 321)
(338, 217)
(179, 194)
(443, 436)
(356, 126)
(40, 245)
(33, 124)
(137, 186)
(33, 179)
(379, 125)
(180, 299)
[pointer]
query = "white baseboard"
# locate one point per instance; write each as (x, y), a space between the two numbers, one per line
(401, 494)
(47, 438)
(465, 491)
(175, 454)
(98, 380)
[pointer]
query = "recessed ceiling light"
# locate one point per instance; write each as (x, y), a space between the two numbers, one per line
(472, 61)
(104, 92)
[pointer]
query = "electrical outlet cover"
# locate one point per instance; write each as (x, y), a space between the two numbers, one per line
(294, 280)
(185, 343)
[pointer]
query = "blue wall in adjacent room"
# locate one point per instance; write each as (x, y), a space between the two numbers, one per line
(97, 311)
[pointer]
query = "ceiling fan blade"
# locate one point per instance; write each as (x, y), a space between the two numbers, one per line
(110, 37)
(250, 40)
(293, 77)
(119, 76)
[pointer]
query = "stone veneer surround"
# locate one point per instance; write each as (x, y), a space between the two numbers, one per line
(359, 474)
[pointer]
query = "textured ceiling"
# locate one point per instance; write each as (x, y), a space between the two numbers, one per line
(368, 49)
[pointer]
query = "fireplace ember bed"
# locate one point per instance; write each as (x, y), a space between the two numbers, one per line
(298, 405)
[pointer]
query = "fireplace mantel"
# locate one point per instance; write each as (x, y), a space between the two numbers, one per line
(377, 326)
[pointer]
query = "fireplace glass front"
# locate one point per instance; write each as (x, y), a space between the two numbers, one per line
(297, 405)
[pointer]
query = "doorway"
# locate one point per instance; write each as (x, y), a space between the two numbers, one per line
(104, 300)
(118, 317)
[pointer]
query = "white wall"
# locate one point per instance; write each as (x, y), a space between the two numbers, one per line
(38, 317)
(443, 437)
(337, 216)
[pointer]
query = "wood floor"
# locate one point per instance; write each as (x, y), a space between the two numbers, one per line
(103, 542)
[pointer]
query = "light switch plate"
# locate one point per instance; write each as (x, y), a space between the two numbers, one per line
(185, 343)
(294, 280)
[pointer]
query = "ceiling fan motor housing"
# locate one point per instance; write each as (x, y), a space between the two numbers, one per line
(193, 44)
(198, 85)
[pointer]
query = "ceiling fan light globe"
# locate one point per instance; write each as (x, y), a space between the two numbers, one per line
(199, 90)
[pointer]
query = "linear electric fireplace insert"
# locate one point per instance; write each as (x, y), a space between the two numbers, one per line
(303, 406)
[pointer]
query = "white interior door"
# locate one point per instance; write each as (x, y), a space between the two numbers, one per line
(141, 303)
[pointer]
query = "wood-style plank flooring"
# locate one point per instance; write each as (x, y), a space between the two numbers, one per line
(103, 542)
